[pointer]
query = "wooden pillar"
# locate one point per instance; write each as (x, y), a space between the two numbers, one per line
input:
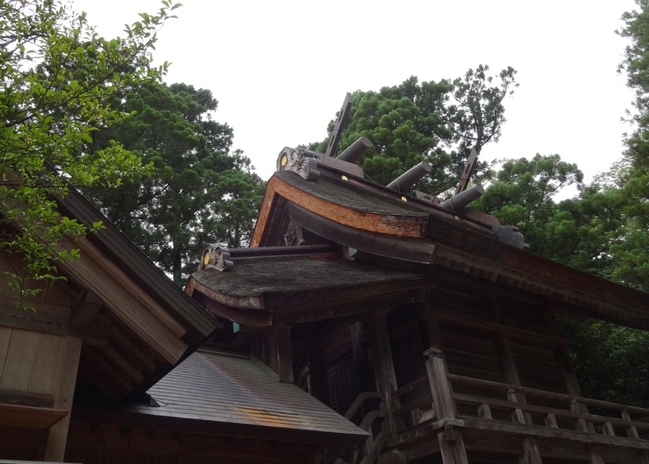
(68, 364)
(596, 457)
(432, 326)
(441, 392)
(281, 352)
(451, 446)
(508, 367)
(386, 381)
(531, 453)
(361, 359)
(568, 374)
(561, 355)
(319, 386)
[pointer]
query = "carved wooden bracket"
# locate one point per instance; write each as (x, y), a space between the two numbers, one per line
(293, 235)
(216, 257)
(299, 162)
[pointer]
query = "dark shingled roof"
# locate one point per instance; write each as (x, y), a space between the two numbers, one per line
(254, 277)
(352, 197)
(234, 390)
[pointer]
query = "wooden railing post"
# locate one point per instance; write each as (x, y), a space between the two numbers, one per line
(582, 426)
(442, 401)
(517, 415)
(631, 431)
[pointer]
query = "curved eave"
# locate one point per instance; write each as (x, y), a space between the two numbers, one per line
(330, 201)
(262, 290)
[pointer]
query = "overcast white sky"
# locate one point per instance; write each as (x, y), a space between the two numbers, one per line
(280, 68)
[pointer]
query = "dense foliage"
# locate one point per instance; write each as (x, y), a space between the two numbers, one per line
(612, 362)
(603, 229)
(434, 121)
(57, 78)
(197, 193)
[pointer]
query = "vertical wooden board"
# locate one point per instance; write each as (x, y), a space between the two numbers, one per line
(386, 380)
(282, 362)
(68, 365)
(44, 370)
(5, 337)
(596, 457)
(452, 451)
(19, 361)
(531, 453)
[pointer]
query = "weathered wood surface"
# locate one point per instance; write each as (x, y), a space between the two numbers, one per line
(126, 300)
(531, 454)
(118, 249)
(461, 244)
(519, 269)
(405, 248)
(386, 382)
(30, 361)
(451, 446)
(437, 377)
(68, 365)
(39, 400)
(338, 204)
(104, 442)
(281, 352)
(30, 417)
(84, 310)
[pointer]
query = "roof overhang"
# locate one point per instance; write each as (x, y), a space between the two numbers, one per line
(136, 324)
(359, 214)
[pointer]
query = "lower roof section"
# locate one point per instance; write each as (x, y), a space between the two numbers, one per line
(233, 395)
(294, 284)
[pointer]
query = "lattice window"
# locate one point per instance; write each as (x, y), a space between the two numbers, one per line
(342, 378)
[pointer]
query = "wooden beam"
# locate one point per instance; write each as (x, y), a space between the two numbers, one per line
(451, 446)
(361, 358)
(50, 319)
(318, 385)
(30, 417)
(437, 377)
(371, 241)
(131, 286)
(244, 316)
(596, 457)
(45, 317)
(281, 352)
(119, 377)
(39, 400)
(386, 380)
(67, 368)
(429, 316)
(531, 453)
(84, 310)
(126, 300)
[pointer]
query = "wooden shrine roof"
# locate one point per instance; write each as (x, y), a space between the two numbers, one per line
(292, 284)
(234, 395)
(356, 213)
(136, 324)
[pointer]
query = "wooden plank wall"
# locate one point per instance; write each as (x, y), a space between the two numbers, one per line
(29, 360)
(42, 367)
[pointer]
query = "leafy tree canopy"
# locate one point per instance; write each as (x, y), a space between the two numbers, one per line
(198, 192)
(438, 122)
(56, 78)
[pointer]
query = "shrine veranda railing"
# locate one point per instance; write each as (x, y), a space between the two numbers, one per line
(492, 404)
